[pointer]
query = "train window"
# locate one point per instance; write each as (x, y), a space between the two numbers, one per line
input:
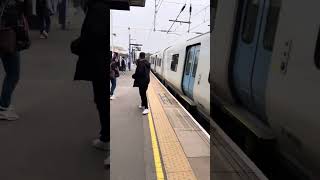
(188, 60)
(174, 62)
(317, 52)
(160, 62)
(250, 20)
(195, 66)
(271, 26)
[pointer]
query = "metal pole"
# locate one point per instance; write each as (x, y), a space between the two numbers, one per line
(129, 55)
(155, 14)
(112, 45)
(190, 11)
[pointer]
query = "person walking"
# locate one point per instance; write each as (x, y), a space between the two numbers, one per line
(129, 64)
(44, 10)
(123, 65)
(142, 79)
(93, 63)
(62, 10)
(114, 74)
(13, 16)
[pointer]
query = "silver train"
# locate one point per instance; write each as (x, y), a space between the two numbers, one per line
(264, 69)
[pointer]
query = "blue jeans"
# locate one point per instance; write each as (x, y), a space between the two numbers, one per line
(11, 65)
(113, 85)
(45, 23)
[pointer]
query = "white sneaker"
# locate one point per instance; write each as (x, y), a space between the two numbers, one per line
(42, 36)
(107, 162)
(46, 35)
(141, 107)
(9, 115)
(145, 111)
(112, 97)
(97, 143)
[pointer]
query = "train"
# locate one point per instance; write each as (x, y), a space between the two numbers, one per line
(260, 62)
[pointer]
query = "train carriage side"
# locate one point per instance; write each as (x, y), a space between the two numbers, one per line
(265, 60)
(158, 66)
(173, 71)
(186, 69)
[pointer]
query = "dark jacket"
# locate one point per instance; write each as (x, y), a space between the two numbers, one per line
(142, 74)
(14, 10)
(114, 70)
(43, 8)
(123, 65)
(94, 40)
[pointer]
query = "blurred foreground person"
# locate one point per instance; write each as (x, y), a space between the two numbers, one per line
(14, 37)
(93, 63)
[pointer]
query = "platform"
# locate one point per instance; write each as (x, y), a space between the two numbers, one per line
(58, 118)
(169, 143)
(166, 144)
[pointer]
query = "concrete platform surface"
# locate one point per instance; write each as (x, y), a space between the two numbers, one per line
(58, 119)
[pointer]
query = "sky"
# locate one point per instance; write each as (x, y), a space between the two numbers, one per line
(141, 23)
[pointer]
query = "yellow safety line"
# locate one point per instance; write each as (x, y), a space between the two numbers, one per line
(156, 152)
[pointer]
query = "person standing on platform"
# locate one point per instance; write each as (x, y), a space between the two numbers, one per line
(129, 64)
(116, 58)
(142, 79)
(123, 65)
(44, 10)
(62, 8)
(114, 74)
(93, 63)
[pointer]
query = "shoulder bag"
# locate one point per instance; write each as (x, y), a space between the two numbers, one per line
(22, 33)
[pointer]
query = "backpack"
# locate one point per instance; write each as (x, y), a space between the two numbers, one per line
(114, 71)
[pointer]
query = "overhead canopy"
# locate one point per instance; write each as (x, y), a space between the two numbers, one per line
(125, 4)
(118, 49)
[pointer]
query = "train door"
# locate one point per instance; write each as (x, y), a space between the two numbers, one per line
(253, 52)
(190, 70)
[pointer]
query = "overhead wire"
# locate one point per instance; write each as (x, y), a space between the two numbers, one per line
(198, 12)
(184, 6)
(199, 24)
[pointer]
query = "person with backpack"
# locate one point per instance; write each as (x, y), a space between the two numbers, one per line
(114, 74)
(44, 9)
(141, 80)
(14, 37)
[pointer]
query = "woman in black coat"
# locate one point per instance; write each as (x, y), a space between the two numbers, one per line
(93, 62)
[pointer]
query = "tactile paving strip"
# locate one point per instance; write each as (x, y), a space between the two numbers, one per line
(175, 162)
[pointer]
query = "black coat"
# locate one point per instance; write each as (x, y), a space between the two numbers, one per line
(94, 40)
(142, 74)
(42, 8)
(13, 11)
